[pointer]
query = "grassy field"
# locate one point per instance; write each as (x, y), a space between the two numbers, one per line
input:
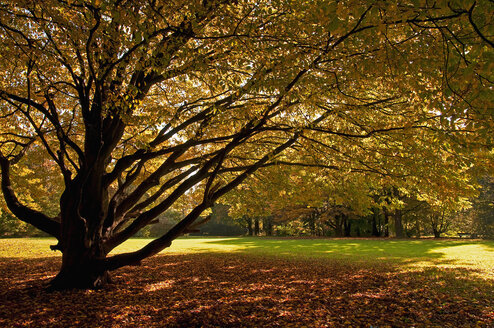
(477, 256)
(261, 282)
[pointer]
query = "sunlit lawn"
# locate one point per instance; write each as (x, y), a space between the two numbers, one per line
(471, 254)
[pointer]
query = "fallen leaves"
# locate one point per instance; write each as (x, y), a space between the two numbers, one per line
(219, 290)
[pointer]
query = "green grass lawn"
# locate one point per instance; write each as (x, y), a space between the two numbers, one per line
(475, 255)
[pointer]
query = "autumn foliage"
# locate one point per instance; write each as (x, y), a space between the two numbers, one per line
(133, 108)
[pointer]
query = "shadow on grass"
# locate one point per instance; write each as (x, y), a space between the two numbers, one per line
(236, 290)
(372, 251)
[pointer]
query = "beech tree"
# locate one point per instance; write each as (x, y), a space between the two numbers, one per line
(142, 103)
(318, 196)
(482, 212)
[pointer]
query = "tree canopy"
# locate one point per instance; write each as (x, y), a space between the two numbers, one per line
(140, 105)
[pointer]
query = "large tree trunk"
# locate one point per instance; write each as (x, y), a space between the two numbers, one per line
(398, 225)
(312, 224)
(81, 242)
(375, 230)
(250, 229)
(437, 228)
(417, 228)
(256, 227)
(81, 269)
(338, 228)
(348, 227)
(386, 222)
(81, 260)
(268, 226)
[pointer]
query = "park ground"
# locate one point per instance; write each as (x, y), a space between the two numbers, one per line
(262, 282)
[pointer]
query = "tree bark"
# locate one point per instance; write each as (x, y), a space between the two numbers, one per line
(399, 231)
(347, 227)
(21, 211)
(82, 214)
(256, 227)
(312, 224)
(437, 227)
(81, 269)
(268, 226)
(375, 230)
(250, 229)
(386, 222)
(338, 231)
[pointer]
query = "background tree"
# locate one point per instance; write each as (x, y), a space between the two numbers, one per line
(142, 104)
(482, 212)
(220, 223)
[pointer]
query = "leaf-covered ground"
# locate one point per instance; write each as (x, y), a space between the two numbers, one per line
(241, 290)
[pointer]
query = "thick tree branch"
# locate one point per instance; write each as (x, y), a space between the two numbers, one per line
(154, 247)
(22, 212)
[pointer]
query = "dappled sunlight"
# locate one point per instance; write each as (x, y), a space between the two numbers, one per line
(405, 254)
(237, 290)
(186, 245)
(479, 256)
(159, 285)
